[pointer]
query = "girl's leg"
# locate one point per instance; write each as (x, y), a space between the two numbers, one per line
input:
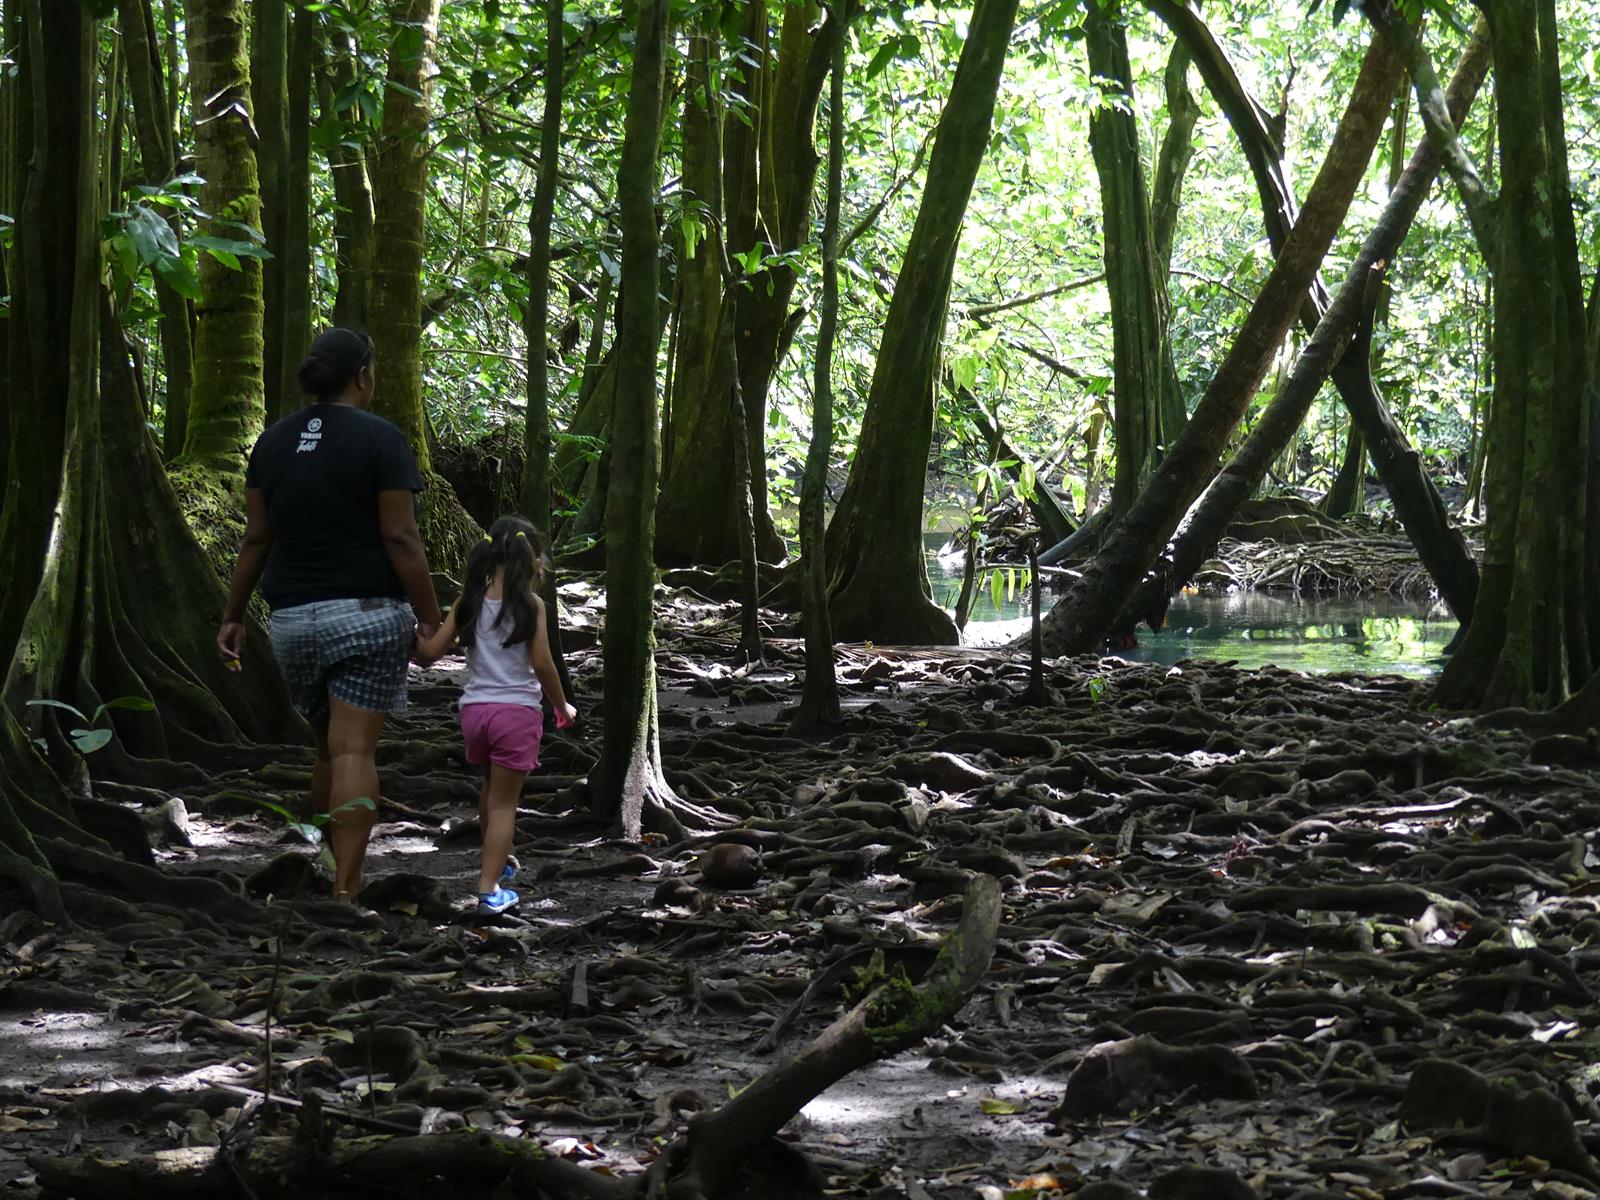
(483, 799)
(499, 807)
(352, 751)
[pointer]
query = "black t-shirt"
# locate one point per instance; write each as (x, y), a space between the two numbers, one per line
(321, 470)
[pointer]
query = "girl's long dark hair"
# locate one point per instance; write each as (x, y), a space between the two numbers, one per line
(517, 546)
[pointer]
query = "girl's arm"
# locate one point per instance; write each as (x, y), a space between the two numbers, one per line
(439, 643)
(545, 668)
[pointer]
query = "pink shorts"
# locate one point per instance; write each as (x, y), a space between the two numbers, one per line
(506, 735)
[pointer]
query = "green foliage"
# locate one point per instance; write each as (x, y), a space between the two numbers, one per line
(90, 735)
(312, 831)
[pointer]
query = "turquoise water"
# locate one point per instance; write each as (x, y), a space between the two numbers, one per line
(1376, 634)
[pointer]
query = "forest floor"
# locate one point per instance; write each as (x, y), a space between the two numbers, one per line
(1299, 929)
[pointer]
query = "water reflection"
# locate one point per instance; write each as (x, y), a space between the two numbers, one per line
(1256, 629)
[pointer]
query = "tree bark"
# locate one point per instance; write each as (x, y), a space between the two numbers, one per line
(536, 433)
(819, 699)
(295, 259)
(1528, 643)
(878, 577)
(394, 299)
(269, 96)
(629, 772)
(158, 162)
(1144, 380)
(226, 407)
(353, 217)
(1081, 621)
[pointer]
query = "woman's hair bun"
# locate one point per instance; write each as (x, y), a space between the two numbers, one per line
(335, 359)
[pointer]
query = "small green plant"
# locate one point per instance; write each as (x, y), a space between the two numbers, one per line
(312, 830)
(1098, 686)
(91, 735)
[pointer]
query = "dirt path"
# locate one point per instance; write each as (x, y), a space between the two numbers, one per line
(1252, 920)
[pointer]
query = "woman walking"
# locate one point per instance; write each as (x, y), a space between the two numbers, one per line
(331, 535)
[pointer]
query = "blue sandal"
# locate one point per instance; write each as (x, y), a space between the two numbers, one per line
(497, 901)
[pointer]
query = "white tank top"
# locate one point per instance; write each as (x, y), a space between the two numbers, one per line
(499, 674)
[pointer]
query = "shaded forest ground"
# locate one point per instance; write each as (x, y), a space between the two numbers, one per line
(1289, 911)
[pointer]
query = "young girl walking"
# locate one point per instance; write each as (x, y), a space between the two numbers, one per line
(500, 622)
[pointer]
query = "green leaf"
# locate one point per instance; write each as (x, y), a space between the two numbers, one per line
(125, 704)
(359, 802)
(61, 705)
(89, 740)
(178, 274)
(997, 589)
(886, 54)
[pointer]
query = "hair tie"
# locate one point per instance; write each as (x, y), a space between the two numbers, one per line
(488, 539)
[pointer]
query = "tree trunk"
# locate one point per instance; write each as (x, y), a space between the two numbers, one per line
(226, 405)
(1142, 356)
(878, 577)
(629, 776)
(394, 301)
(1345, 496)
(698, 516)
(353, 218)
(296, 256)
(1172, 160)
(1081, 621)
(819, 699)
(1528, 643)
(269, 94)
(770, 209)
(158, 162)
(536, 434)
(120, 602)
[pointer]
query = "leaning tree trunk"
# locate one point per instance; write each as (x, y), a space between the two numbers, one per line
(158, 161)
(1331, 350)
(1145, 382)
(226, 407)
(1081, 621)
(536, 434)
(878, 576)
(394, 301)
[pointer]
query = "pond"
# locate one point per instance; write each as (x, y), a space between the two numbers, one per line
(1373, 634)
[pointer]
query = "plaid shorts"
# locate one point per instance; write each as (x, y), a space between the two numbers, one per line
(354, 651)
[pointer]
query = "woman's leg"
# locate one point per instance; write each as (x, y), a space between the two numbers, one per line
(352, 752)
(499, 809)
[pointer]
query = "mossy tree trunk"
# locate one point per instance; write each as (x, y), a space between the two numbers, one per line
(1080, 622)
(771, 171)
(698, 515)
(226, 406)
(121, 601)
(1145, 383)
(394, 300)
(878, 577)
(819, 701)
(535, 489)
(158, 162)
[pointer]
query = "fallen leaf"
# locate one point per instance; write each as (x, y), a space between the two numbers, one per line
(998, 1108)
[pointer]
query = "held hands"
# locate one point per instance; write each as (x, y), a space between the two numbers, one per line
(426, 630)
(565, 715)
(230, 644)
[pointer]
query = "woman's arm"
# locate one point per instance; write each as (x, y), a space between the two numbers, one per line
(442, 640)
(247, 570)
(544, 666)
(397, 521)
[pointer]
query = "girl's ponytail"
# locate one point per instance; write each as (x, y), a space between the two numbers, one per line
(515, 545)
